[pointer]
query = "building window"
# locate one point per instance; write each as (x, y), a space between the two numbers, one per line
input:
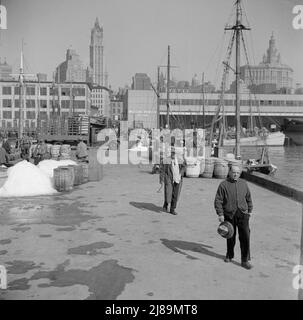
(43, 104)
(17, 90)
(43, 91)
(16, 114)
(65, 104)
(6, 90)
(43, 115)
(65, 91)
(30, 104)
(78, 91)
(79, 104)
(7, 103)
(53, 91)
(30, 114)
(30, 91)
(7, 114)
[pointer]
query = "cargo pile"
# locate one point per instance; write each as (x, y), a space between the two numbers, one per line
(24, 180)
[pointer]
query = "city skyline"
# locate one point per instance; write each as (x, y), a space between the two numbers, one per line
(137, 33)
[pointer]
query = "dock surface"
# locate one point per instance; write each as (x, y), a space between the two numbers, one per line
(111, 240)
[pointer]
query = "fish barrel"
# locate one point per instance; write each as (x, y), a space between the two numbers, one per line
(220, 169)
(63, 179)
(84, 166)
(209, 168)
(192, 167)
(78, 174)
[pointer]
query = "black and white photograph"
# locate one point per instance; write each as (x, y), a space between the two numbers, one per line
(151, 150)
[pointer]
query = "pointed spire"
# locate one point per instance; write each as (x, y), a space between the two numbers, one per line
(97, 23)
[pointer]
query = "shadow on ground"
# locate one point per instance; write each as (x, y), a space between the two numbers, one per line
(179, 246)
(146, 206)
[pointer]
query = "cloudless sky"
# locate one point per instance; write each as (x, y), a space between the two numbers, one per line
(137, 33)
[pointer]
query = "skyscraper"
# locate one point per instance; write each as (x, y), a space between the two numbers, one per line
(96, 56)
(71, 69)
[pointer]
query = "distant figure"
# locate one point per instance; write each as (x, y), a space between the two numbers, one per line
(6, 145)
(3, 157)
(233, 203)
(40, 152)
(25, 145)
(81, 153)
(171, 174)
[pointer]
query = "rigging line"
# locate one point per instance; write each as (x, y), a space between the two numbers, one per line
(252, 82)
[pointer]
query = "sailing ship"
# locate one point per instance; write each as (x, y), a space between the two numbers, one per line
(271, 139)
(263, 164)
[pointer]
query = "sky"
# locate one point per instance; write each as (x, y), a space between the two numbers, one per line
(138, 32)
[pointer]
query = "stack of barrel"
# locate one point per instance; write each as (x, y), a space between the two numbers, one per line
(66, 177)
(206, 167)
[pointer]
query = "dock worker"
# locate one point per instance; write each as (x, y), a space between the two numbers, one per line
(25, 145)
(233, 203)
(6, 145)
(40, 152)
(171, 175)
(81, 153)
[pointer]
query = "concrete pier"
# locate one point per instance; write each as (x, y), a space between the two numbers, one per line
(110, 240)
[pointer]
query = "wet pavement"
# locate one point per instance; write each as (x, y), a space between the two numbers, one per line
(111, 240)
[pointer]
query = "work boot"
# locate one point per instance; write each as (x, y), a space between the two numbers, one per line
(165, 208)
(227, 260)
(246, 265)
(172, 211)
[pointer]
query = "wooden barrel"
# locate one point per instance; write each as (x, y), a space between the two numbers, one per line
(78, 174)
(63, 179)
(220, 168)
(192, 167)
(209, 168)
(84, 166)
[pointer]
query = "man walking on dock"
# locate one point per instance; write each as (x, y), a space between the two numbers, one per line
(233, 203)
(171, 174)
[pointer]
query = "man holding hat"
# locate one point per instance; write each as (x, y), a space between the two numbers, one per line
(233, 203)
(171, 174)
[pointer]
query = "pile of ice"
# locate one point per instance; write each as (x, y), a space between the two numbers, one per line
(25, 179)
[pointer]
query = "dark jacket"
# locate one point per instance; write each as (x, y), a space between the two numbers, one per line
(231, 196)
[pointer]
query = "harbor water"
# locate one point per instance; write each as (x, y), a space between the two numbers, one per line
(288, 159)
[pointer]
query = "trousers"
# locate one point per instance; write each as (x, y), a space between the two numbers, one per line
(171, 194)
(239, 221)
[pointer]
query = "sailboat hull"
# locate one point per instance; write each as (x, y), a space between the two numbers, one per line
(272, 139)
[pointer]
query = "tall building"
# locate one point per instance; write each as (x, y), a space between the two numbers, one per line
(100, 100)
(271, 75)
(97, 74)
(141, 82)
(42, 100)
(5, 71)
(71, 70)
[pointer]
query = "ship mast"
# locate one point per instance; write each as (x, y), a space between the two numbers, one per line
(168, 83)
(237, 28)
